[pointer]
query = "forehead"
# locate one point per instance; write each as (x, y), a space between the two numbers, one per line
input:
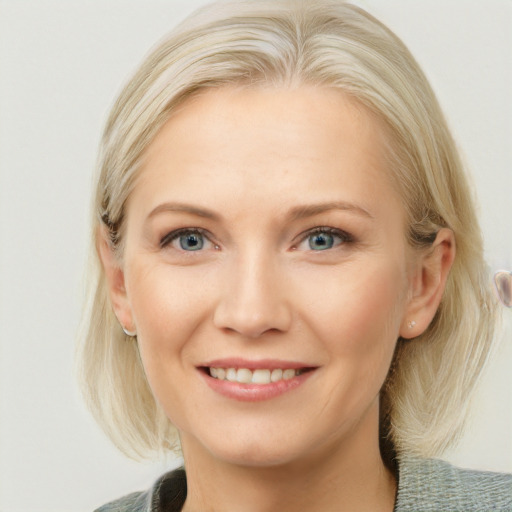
(287, 143)
(279, 111)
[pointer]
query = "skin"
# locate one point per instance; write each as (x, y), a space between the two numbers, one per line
(258, 169)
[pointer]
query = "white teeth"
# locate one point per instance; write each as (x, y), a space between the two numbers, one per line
(231, 374)
(260, 376)
(244, 376)
(288, 374)
(276, 375)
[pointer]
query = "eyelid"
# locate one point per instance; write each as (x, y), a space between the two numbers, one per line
(170, 237)
(173, 235)
(340, 233)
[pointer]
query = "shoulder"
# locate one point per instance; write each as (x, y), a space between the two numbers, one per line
(135, 502)
(433, 485)
(167, 494)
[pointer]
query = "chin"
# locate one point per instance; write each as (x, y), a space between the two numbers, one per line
(263, 451)
(255, 457)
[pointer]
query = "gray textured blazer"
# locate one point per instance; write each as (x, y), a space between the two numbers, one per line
(424, 485)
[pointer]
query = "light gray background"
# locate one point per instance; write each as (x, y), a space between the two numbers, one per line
(61, 63)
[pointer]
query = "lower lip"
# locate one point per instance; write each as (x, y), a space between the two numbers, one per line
(255, 392)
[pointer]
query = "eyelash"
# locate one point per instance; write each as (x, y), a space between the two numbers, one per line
(345, 238)
(174, 235)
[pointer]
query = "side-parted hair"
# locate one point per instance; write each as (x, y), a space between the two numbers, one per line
(287, 43)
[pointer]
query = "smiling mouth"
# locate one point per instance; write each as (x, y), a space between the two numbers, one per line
(260, 376)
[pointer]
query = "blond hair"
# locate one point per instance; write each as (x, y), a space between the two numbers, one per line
(286, 43)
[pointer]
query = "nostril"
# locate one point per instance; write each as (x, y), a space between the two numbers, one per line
(251, 325)
(252, 309)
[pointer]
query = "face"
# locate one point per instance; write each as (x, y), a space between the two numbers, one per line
(267, 273)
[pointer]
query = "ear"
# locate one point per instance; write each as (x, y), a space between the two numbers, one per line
(115, 279)
(427, 284)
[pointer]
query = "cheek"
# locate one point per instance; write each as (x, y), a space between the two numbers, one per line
(167, 306)
(355, 319)
(358, 315)
(169, 309)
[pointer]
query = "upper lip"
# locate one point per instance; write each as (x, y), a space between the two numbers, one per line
(255, 364)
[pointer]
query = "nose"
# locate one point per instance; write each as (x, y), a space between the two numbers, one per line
(253, 299)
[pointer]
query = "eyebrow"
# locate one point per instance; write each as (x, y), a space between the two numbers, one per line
(296, 213)
(304, 211)
(184, 208)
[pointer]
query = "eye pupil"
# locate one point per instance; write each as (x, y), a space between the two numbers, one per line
(191, 241)
(321, 241)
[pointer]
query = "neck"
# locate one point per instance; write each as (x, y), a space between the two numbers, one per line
(351, 477)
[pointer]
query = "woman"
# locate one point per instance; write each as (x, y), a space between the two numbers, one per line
(288, 270)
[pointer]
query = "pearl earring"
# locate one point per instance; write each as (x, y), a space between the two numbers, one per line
(411, 324)
(503, 284)
(132, 334)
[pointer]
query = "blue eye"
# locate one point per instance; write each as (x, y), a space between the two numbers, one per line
(191, 241)
(321, 241)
